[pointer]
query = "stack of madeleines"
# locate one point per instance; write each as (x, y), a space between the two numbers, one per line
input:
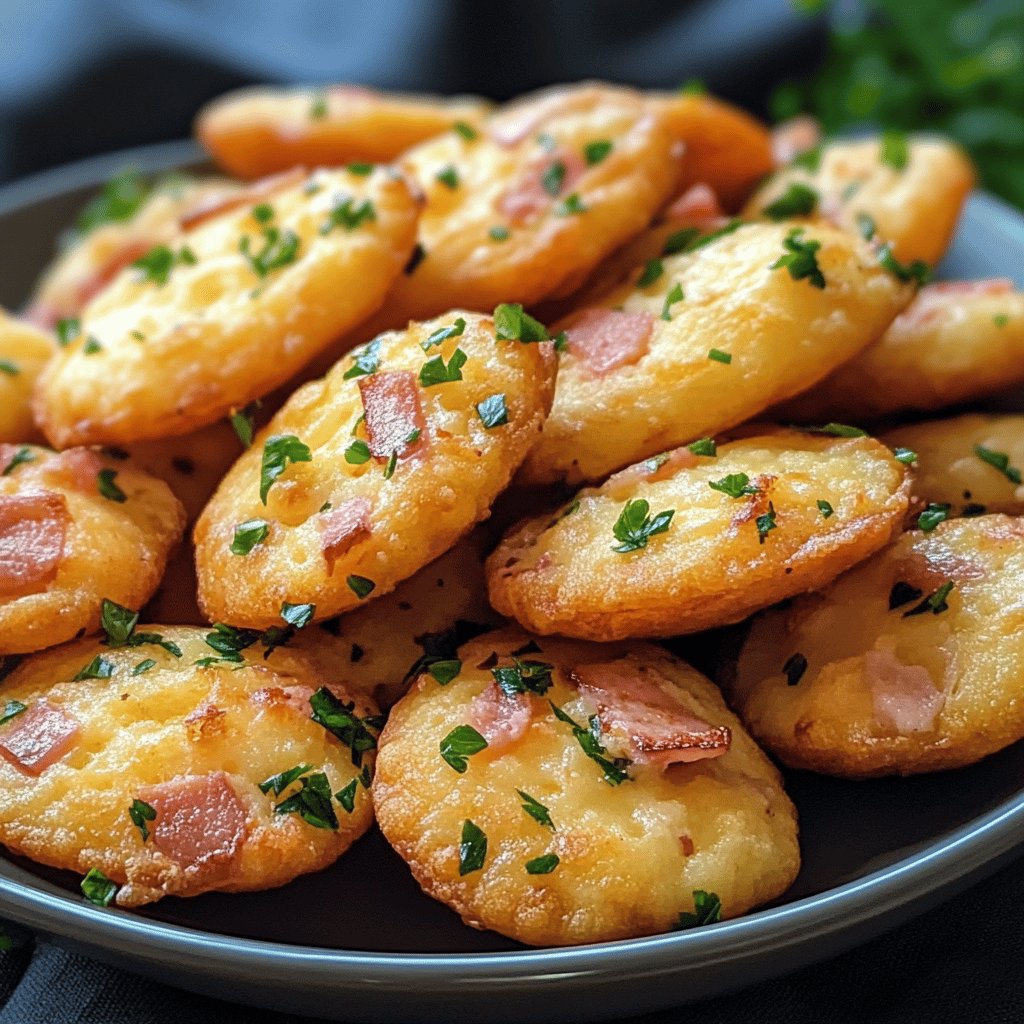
(465, 409)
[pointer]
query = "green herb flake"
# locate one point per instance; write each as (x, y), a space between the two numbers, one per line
(11, 709)
(348, 213)
(705, 446)
(493, 411)
(99, 668)
(837, 430)
(917, 271)
(280, 248)
(766, 523)
(635, 527)
(512, 323)
(341, 721)
(143, 667)
(809, 159)
(826, 510)
(19, 458)
(675, 295)
(596, 151)
(312, 803)
(118, 622)
(119, 200)
(536, 810)
(866, 226)
(693, 87)
(346, 796)
(280, 782)
(461, 743)
(318, 107)
(389, 467)
(653, 269)
(800, 259)
(571, 205)
(1000, 319)
(360, 169)
(716, 355)
(107, 488)
(278, 452)
(67, 330)
(499, 233)
(735, 485)
(935, 603)
(157, 264)
(1000, 461)
(434, 371)
(357, 453)
(91, 346)
(248, 535)
(442, 334)
(360, 586)
(934, 514)
(542, 865)
(905, 455)
(467, 131)
(365, 361)
(141, 813)
(449, 176)
(243, 422)
(472, 848)
(895, 151)
(445, 671)
(798, 200)
(707, 909)
(613, 771)
(97, 888)
(552, 177)
(9, 368)
(523, 677)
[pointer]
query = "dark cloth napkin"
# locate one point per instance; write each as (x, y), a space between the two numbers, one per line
(957, 964)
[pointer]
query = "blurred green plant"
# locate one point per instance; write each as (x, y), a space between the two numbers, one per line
(944, 65)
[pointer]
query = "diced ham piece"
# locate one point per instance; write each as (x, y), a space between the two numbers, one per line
(639, 713)
(296, 698)
(38, 737)
(930, 570)
(343, 527)
(78, 468)
(500, 718)
(793, 137)
(687, 844)
(215, 204)
(529, 199)
(658, 467)
(200, 822)
(606, 339)
(697, 207)
(391, 401)
(932, 299)
(33, 527)
(903, 697)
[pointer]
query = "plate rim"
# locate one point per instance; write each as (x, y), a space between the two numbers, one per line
(958, 855)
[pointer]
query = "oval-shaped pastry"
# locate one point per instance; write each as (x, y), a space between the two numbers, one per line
(965, 465)
(701, 340)
(912, 662)
(180, 760)
(261, 130)
(369, 474)
(958, 340)
(525, 209)
(76, 527)
(691, 540)
(234, 307)
(24, 351)
(562, 792)
(907, 192)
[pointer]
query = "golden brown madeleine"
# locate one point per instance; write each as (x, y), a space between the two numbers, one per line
(369, 474)
(707, 338)
(966, 465)
(956, 341)
(526, 208)
(234, 308)
(909, 192)
(726, 147)
(561, 792)
(684, 542)
(256, 131)
(132, 217)
(381, 648)
(24, 351)
(178, 760)
(912, 662)
(76, 527)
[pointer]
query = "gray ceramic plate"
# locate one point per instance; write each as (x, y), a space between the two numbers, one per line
(359, 941)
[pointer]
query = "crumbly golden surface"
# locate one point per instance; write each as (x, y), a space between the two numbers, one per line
(24, 351)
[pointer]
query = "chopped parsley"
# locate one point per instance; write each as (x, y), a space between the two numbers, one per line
(809, 159)
(837, 430)
(360, 168)
(571, 204)
(357, 453)
(346, 796)
(512, 323)
(825, 508)
(800, 259)
(365, 360)
(561, 342)
(467, 131)
(902, 593)
(229, 643)
(99, 668)
(97, 888)
(693, 87)
(445, 671)
(917, 271)
(318, 107)
(542, 865)
(653, 269)
(118, 623)
(766, 523)
(735, 485)
(705, 446)
(691, 239)
(106, 486)
(19, 458)
(718, 356)
(434, 371)
(675, 295)
(614, 771)
(278, 451)
(119, 200)
(499, 233)
(143, 666)
(11, 369)
(594, 152)
(279, 249)
(67, 330)
(448, 176)
(1000, 461)
(895, 150)
(866, 226)
(472, 848)
(523, 677)
(312, 803)
(91, 346)
(1000, 319)
(157, 264)
(280, 782)
(794, 669)
(635, 526)
(348, 213)
(389, 468)
(442, 334)
(243, 422)
(11, 709)
(707, 909)
(905, 455)
(536, 810)
(462, 742)
(140, 813)
(340, 720)
(935, 603)
(934, 514)
(798, 200)
(493, 411)
(552, 178)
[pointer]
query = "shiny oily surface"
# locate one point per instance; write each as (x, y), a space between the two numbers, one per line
(396, 955)
(575, 572)
(911, 662)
